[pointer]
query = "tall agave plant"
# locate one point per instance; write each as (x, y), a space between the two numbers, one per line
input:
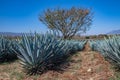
(6, 52)
(110, 49)
(40, 52)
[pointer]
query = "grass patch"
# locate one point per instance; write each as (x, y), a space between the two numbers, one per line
(11, 70)
(14, 70)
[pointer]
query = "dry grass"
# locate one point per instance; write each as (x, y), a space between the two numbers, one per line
(13, 71)
(85, 65)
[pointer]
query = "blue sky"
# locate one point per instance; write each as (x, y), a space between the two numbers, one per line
(22, 15)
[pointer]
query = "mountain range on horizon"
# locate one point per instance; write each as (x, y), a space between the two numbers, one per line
(20, 34)
(114, 32)
(10, 34)
(13, 34)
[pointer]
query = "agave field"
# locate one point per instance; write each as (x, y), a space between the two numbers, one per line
(39, 53)
(109, 48)
(6, 51)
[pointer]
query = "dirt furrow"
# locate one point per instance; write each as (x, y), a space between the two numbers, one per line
(85, 65)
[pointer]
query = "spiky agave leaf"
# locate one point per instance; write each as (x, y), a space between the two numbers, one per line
(94, 44)
(6, 52)
(110, 49)
(75, 45)
(40, 52)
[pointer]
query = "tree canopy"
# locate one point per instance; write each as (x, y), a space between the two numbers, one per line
(67, 21)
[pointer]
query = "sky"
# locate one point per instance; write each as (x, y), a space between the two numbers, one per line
(23, 15)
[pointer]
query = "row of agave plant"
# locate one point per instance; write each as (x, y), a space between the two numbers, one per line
(6, 51)
(38, 52)
(109, 48)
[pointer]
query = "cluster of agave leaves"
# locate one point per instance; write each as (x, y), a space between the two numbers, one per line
(109, 48)
(6, 52)
(75, 45)
(40, 52)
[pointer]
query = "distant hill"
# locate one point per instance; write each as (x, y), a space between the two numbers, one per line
(114, 32)
(10, 34)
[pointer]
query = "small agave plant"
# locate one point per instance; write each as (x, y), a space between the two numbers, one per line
(6, 52)
(75, 45)
(40, 52)
(94, 44)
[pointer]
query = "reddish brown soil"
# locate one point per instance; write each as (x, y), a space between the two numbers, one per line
(87, 47)
(86, 65)
(94, 67)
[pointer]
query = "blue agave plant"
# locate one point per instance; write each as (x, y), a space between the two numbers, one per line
(94, 44)
(39, 52)
(75, 45)
(109, 48)
(6, 52)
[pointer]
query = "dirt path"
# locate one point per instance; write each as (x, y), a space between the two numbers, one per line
(94, 66)
(85, 65)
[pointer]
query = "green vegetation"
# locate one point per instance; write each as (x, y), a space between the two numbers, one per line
(6, 51)
(75, 45)
(109, 48)
(40, 52)
(68, 22)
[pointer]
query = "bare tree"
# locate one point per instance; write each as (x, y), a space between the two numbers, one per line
(67, 21)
